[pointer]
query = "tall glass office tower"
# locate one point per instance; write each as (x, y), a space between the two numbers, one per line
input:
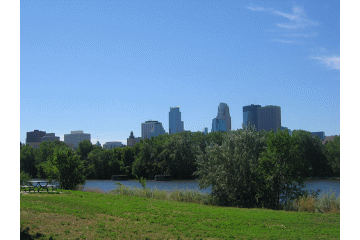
(222, 122)
(218, 125)
(224, 113)
(175, 123)
(250, 116)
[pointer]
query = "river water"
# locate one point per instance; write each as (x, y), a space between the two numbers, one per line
(325, 185)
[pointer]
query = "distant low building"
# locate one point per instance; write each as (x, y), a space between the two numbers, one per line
(98, 144)
(285, 128)
(328, 139)
(321, 135)
(131, 141)
(205, 131)
(70, 145)
(50, 137)
(34, 136)
(34, 144)
(111, 145)
(75, 137)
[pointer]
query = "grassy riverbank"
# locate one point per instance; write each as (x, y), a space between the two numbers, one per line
(89, 215)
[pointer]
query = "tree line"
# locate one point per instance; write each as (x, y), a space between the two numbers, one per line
(174, 155)
(242, 160)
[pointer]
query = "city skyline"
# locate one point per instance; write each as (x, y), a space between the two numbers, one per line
(222, 115)
(106, 68)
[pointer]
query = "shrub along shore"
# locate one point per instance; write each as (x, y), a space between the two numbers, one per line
(309, 202)
(128, 213)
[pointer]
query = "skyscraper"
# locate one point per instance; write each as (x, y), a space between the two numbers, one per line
(151, 129)
(175, 123)
(250, 117)
(269, 118)
(224, 113)
(218, 125)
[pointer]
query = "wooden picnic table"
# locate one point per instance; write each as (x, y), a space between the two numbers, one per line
(39, 184)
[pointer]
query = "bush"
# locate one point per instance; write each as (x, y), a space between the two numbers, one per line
(231, 170)
(24, 178)
(325, 203)
(96, 190)
(304, 204)
(177, 195)
(328, 203)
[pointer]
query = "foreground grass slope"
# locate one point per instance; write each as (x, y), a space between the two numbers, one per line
(87, 215)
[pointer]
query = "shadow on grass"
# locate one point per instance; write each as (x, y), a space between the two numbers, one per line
(25, 235)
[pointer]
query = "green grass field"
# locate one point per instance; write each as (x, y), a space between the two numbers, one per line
(89, 215)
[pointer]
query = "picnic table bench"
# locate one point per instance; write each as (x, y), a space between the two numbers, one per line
(41, 184)
(27, 187)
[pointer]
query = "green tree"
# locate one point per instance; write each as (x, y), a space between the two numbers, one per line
(142, 165)
(281, 169)
(128, 158)
(110, 165)
(44, 152)
(93, 164)
(180, 152)
(27, 160)
(333, 154)
(312, 154)
(231, 169)
(66, 167)
(84, 148)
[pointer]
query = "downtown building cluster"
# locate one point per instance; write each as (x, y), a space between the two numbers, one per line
(266, 118)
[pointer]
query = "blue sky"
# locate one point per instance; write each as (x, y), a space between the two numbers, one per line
(105, 67)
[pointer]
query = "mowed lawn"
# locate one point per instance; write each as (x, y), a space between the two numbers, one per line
(88, 215)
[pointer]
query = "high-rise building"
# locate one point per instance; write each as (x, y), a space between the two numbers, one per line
(250, 117)
(151, 129)
(224, 113)
(218, 125)
(175, 123)
(75, 137)
(269, 118)
(132, 140)
(34, 136)
(50, 137)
